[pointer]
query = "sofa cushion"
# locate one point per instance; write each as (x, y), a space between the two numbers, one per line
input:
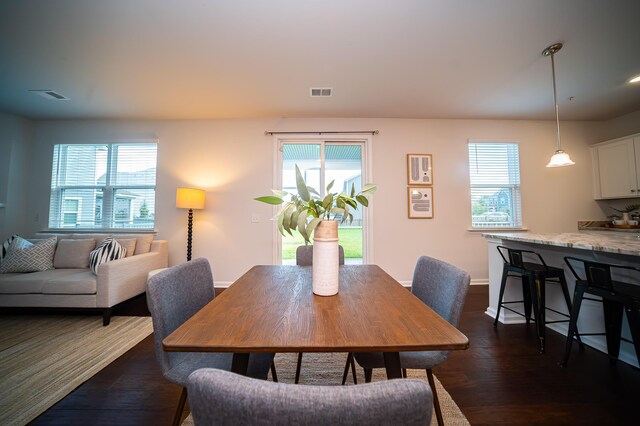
(143, 244)
(72, 253)
(33, 282)
(24, 256)
(81, 282)
(98, 237)
(106, 251)
(127, 243)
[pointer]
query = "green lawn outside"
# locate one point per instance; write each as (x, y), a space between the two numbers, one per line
(350, 240)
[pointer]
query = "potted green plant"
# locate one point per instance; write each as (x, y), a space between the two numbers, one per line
(308, 213)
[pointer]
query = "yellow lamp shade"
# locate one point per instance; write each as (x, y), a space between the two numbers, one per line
(189, 198)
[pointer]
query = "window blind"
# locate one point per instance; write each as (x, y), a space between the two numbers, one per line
(494, 171)
(103, 186)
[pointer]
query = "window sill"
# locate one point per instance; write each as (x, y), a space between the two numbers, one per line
(501, 229)
(98, 231)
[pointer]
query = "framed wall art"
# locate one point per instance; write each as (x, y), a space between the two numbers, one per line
(420, 199)
(420, 169)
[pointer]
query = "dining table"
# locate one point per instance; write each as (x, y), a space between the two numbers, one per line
(272, 308)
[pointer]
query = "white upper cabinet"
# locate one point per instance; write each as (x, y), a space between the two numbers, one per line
(616, 168)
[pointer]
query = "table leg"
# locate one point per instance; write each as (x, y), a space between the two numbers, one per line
(392, 365)
(240, 363)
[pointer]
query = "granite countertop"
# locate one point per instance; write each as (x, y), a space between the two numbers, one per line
(596, 241)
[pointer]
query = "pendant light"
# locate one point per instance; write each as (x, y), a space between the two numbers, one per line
(559, 158)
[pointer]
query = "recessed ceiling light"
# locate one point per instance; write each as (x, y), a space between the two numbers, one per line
(49, 94)
(635, 79)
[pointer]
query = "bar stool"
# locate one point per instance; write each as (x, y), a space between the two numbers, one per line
(615, 296)
(534, 278)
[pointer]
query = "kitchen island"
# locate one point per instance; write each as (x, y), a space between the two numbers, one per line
(623, 249)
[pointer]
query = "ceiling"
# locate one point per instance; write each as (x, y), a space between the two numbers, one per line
(188, 59)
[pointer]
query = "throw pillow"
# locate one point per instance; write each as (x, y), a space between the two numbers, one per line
(5, 246)
(129, 244)
(23, 256)
(107, 250)
(73, 253)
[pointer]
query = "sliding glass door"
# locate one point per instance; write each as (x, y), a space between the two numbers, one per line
(320, 162)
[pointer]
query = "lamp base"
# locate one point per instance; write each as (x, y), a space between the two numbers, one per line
(189, 234)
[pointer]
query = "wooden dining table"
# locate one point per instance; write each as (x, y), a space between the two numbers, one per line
(272, 308)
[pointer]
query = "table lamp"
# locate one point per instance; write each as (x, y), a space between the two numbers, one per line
(189, 198)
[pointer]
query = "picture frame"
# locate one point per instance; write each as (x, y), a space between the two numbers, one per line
(420, 202)
(419, 169)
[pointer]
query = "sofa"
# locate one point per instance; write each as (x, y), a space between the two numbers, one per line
(71, 284)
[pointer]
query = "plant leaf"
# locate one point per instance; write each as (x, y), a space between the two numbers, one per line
(302, 186)
(287, 212)
(294, 220)
(312, 225)
(270, 199)
(362, 200)
(279, 193)
(370, 188)
(280, 219)
(330, 185)
(327, 202)
(353, 190)
(351, 202)
(312, 190)
(302, 221)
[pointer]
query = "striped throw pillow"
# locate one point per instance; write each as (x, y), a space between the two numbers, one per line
(109, 249)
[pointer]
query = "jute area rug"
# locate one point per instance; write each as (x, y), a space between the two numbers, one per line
(327, 369)
(44, 358)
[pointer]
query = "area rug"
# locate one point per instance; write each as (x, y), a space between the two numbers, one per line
(327, 369)
(44, 358)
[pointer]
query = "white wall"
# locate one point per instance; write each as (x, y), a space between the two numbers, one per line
(233, 161)
(15, 142)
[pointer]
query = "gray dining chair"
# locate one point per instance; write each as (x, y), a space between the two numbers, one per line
(442, 287)
(221, 398)
(173, 296)
(304, 257)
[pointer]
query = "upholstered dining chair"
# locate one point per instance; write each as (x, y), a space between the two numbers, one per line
(304, 257)
(173, 296)
(223, 398)
(442, 287)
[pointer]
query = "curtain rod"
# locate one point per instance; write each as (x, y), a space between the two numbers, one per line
(373, 132)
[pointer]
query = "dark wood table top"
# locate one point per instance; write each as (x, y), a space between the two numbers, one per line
(271, 308)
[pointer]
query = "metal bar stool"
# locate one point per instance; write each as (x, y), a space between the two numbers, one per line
(534, 278)
(615, 296)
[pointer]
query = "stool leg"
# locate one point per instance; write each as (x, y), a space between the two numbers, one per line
(502, 286)
(567, 299)
(613, 326)
(526, 297)
(538, 295)
(633, 316)
(578, 293)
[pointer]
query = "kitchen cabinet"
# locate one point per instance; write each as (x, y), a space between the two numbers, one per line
(616, 168)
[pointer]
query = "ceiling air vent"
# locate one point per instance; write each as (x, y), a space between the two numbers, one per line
(321, 92)
(49, 94)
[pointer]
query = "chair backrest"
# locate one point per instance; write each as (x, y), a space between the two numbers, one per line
(223, 398)
(441, 286)
(175, 295)
(517, 258)
(598, 274)
(304, 255)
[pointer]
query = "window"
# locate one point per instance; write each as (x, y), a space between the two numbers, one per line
(494, 169)
(103, 186)
(321, 160)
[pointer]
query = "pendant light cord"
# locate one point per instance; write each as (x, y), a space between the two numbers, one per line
(555, 98)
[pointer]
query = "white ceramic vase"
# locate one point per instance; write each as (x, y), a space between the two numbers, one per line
(625, 217)
(325, 279)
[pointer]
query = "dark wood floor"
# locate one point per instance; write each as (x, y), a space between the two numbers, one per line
(501, 379)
